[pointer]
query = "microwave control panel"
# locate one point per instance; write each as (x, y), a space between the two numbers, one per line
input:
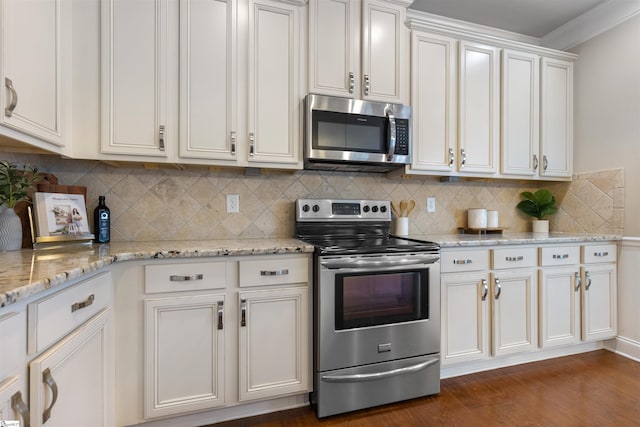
(402, 137)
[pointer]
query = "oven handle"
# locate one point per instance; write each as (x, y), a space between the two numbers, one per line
(385, 262)
(379, 375)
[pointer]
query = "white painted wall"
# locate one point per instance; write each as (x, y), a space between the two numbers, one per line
(607, 135)
(607, 110)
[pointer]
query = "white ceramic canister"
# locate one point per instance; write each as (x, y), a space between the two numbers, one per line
(401, 226)
(492, 219)
(477, 218)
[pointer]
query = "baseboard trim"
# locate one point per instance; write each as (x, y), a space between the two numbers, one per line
(516, 359)
(624, 347)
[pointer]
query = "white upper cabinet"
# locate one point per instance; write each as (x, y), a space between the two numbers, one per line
(556, 118)
(358, 49)
(433, 99)
(520, 114)
(208, 79)
(134, 79)
(274, 93)
(33, 69)
(479, 108)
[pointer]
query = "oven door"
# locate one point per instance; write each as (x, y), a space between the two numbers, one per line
(376, 308)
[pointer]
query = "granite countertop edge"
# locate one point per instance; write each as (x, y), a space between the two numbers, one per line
(473, 240)
(28, 272)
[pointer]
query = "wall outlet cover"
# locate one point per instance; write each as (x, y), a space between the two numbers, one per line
(233, 203)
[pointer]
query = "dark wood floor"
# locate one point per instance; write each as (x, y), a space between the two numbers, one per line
(598, 388)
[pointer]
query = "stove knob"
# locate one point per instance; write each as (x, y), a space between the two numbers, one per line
(383, 209)
(316, 208)
(366, 208)
(305, 208)
(374, 209)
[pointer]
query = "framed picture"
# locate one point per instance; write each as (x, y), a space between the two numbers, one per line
(60, 217)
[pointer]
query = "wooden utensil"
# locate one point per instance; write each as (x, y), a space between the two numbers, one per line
(395, 209)
(412, 204)
(403, 207)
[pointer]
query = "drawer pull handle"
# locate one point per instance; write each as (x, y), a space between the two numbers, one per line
(83, 304)
(578, 281)
(563, 256)
(48, 380)
(485, 289)
(243, 312)
(283, 272)
(588, 277)
(185, 278)
(514, 258)
(18, 405)
(220, 315)
(462, 261)
(601, 254)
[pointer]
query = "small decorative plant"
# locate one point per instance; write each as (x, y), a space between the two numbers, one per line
(15, 184)
(539, 204)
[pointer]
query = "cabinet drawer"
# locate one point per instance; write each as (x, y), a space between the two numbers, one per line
(274, 271)
(457, 261)
(185, 277)
(514, 257)
(559, 255)
(53, 317)
(592, 254)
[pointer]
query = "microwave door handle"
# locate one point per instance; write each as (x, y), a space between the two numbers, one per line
(392, 133)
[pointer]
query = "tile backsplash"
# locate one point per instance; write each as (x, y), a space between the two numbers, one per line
(165, 203)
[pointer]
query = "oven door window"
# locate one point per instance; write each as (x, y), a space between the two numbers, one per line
(371, 299)
(349, 132)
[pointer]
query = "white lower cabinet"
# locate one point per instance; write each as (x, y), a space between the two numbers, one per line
(183, 371)
(548, 296)
(13, 391)
(274, 343)
(71, 384)
(198, 335)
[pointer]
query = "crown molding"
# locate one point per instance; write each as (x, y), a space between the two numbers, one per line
(591, 23)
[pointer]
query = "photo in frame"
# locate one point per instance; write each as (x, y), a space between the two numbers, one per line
(60, 215)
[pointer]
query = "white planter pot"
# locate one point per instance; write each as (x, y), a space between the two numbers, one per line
(10, 230)
(540, 226)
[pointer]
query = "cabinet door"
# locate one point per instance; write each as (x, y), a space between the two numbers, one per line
(72, 383)
(599, 302)
(334, 47)
(274, 343)
(520, 113)
(274, 76)
(384, 51)
(208, 72)
(559, 302)
(556, 118)
(514, 311)
(12, 403)
(479, 108)
(184, 354)
(134, 77)
(32, 68)
(465, 317)
(433, 99)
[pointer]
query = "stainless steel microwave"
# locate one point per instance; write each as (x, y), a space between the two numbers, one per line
(346, 134)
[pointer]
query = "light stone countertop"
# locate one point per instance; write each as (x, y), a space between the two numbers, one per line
(27, 272)
(471, 240)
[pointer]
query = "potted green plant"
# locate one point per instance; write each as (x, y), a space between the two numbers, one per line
(538, 205)
(15, 186)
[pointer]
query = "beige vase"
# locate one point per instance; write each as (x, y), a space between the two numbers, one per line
(540, 226)
(10, 230)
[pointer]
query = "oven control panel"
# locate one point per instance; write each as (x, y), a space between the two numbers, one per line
(341, 210)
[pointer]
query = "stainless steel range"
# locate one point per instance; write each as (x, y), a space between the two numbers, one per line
(376, 307)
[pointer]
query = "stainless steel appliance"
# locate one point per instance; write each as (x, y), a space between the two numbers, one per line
(376, 307)
(354, 135)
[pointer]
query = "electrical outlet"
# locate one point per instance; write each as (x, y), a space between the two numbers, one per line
(431, 204)
(233, 203)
